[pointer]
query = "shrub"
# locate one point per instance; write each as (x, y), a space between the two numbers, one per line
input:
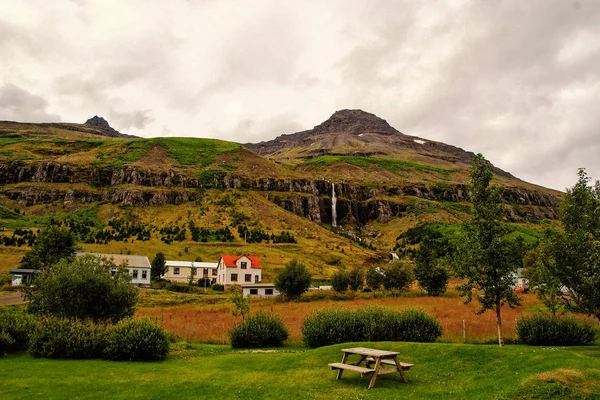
(6, 343)
(370, 324)
(16, 325)
(84, 288)
(398, 276)
(355, 279)
(340, 281)
(293, 279)
(218, 287)
(375, 278)
(64, 338)
(547, 330)
(262, 329)
(431, 277)
(136, 340)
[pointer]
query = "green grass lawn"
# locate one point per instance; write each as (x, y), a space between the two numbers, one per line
(217, 372)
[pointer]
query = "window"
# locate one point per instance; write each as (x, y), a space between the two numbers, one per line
(233, 277)
(135, 274)
(248, 278)
(214, 272)
(176, 271)
(253, 291)
(269, 292)
(256, 279)
(113, 270)
(205, 271)
(144, 274)
(244, 265)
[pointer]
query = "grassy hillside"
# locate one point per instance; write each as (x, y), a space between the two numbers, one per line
(205, 371)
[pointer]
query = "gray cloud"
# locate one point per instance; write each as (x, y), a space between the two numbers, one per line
(20, 105)
(137, 119)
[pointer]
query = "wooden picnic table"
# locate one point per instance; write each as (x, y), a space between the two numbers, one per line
(381, 359)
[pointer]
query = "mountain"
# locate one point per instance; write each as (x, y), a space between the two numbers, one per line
(123, 194)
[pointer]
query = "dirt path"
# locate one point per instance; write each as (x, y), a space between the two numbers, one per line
(7, 298)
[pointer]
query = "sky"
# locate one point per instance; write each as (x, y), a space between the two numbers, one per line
(518, 81)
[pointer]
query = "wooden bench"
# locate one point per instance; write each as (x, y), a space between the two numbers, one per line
(404, 366)
(362, 370)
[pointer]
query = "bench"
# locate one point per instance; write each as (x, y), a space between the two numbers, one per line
(363, 371)
(404, 366)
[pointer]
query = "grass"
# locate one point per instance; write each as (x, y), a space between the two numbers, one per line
(209, 371)
(394, 166)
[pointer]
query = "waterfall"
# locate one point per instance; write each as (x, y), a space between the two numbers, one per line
(333, 206)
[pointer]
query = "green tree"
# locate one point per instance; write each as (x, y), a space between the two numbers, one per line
(576, 250)
(293, 279)
(52, 245)
(159, 266)
(398, 275)
(487, 259)
(356, 279)
(431, 276)
(87, 287)
(241, 304)
(375, 278)
(340, 281)
(192, 276)
(538, 264)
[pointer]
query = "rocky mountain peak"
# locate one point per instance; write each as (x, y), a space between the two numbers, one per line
(99, 122)
(355, 122)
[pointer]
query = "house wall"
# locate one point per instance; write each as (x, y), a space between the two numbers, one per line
(260, 292)
(184, 274)
(142, 278)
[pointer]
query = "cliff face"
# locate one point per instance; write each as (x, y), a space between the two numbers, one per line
(308, 198)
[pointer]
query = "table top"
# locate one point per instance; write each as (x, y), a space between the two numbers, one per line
(365, 351)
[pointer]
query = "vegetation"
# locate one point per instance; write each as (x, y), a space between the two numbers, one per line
(392, 165)
(15, 328)
(340, 281)
(376, 324)
(486, 258)
(241, 304)
(432, 277)
(356, 279)
(159, 266)
(87, 287)
(263, 329)
(293, 279)
(52, 245)
(398, 276)
(549, 330)
(136, 340)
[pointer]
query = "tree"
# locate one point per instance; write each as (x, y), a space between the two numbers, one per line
(293, 279)
(159, 266)
(86, 287)
(538, 264)
(340, 281)
(487, 258)
(192, 276)
(431, 277)
(375, 278)
(52, 245)
(398, 276)
(356, 279)
(576, 250)
(240, 303)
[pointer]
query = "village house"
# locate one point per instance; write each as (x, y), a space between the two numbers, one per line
(180, 271)
(238, 270)
(138, 266)
(259, 290)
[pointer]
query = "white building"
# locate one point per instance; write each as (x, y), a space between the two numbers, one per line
(259, 290)
(138, 266)
(239, 270)
(180, 271)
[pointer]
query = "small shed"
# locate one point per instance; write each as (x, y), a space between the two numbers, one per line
(259, 290)
(23, 276)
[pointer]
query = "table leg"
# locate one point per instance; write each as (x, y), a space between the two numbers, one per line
(362, 358)
(399, 368)
(374, 376)
(339, 374)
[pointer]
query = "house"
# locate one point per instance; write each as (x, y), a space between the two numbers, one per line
(520, 282)
(180, 271)
(23, 276)
(239, 270)
(138, 266)
(259, 290)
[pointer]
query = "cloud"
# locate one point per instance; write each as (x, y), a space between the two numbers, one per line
(137, 119)
(20, 105)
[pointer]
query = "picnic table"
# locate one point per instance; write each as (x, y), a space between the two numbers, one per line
(381, 359)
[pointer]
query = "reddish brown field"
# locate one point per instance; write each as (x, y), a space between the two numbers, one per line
(211, 323)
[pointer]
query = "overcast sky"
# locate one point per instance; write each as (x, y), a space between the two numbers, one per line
(518, 81)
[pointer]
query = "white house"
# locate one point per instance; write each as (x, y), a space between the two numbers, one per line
(179, 271)
(239, 270)
(259, 290)
(138, 266)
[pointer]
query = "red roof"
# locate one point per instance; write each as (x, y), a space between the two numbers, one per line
(230, 261)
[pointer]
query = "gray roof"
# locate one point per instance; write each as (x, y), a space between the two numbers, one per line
(132, 261)
(195, 264)
(25, 271)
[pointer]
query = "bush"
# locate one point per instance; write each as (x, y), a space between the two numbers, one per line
(398, 276)
(6, 343)
(340, 281)
(293, 279)
(84, 288)
(547, 330)
(375, 278)
(136, 340)
(262, 329)
(356, 279)
(15, 326)
(370, 324)
(64, 338)
(218, 287)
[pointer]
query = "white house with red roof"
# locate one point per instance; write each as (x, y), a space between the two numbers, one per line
(239, 270)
